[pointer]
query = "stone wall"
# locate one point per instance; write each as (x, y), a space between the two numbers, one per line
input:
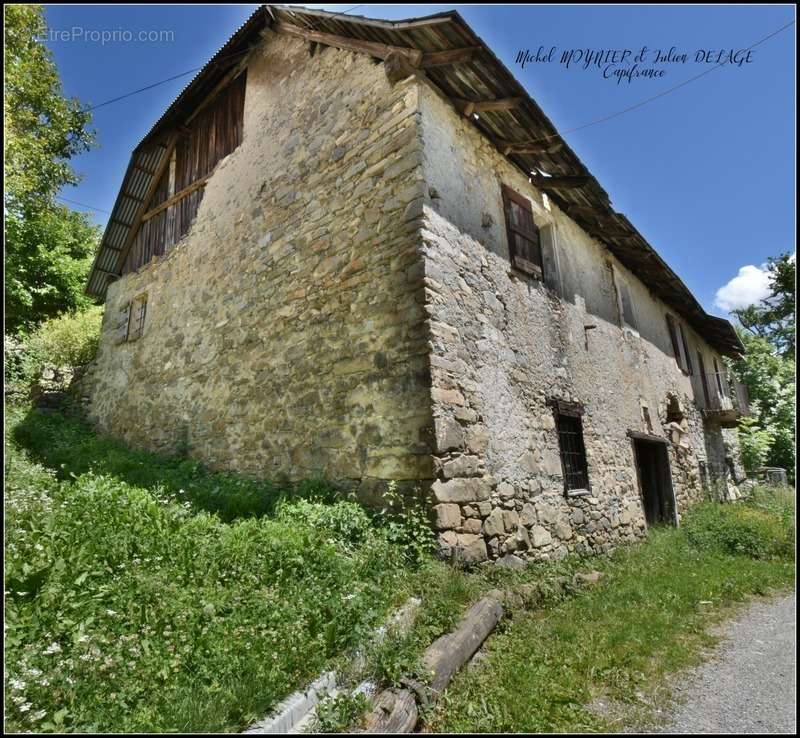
(285, 333)
(503, 344)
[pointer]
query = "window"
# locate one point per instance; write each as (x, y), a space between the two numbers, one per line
(689, 369)
(701, 367)
(571, 446)
(718, 375)
(680, 346)
(628, 316)
(138, 312)
(673, 336)
(524, 245)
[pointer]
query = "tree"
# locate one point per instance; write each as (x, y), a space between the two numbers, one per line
(768, 370)
(767, 436)
(774, 318)
(48, 246)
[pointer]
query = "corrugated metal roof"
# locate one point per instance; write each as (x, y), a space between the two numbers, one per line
(483, 77)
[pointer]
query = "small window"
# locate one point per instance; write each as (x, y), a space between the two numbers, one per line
(138, 312)
(689, 368)
(673, 336)
(524, 244)
(628, 316)
(701, 367)
(680, 346)
(718, 375)
(571, 446)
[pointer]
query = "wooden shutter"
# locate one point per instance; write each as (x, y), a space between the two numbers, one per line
(689, 368)
(628, 315)
(673, 336)
(549, 259)
(524, 244)
(121, 329)
(701, 367)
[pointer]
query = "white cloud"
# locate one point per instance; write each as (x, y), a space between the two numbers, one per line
(748, 287)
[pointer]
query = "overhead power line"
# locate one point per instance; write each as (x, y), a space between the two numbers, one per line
(543, 139)
(82, 204)
(182, 74)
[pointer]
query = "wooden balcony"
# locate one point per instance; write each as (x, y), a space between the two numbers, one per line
(721, 398)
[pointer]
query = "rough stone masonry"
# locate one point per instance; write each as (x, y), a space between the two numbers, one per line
(344, 306)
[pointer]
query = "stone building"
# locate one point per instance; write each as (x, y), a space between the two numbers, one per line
(358, 249)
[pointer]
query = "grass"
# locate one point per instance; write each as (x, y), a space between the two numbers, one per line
(620, 642)
(149, 594)
(71, 448)
(129, 608)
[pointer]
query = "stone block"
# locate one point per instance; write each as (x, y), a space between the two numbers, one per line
(448, 515)
(461, 490)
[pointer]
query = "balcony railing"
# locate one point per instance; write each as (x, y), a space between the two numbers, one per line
(722, 397)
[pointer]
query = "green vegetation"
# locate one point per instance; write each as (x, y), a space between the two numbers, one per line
(146, 593)
(67, 341)
(620, 641)
(767, 369)
(129, 608)
(48, 246)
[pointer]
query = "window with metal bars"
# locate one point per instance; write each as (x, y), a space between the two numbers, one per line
(571, 447)
(138, 311)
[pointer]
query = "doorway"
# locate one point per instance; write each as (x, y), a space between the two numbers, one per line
(655, 481)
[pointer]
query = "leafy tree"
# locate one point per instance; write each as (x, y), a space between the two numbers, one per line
(767, 369)
(48, 246)
(774, 318)
(767, 437)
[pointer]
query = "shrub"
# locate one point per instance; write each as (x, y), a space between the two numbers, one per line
(69, 340)
(739, 529)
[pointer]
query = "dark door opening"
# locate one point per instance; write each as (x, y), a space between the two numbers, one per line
(655, 481)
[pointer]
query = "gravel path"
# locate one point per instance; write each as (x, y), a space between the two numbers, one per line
(749, 685)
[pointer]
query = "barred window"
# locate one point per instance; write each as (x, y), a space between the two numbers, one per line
(138, 311)
(571, 446)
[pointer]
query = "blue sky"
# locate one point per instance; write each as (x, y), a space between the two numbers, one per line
(706, 173)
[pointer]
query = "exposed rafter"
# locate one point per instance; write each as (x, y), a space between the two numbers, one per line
(529, 147)
(560, 182)
(168, 146)
(373, 48)
(451, 56)
(468, 107)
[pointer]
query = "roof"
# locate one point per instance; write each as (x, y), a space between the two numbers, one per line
(515, 124)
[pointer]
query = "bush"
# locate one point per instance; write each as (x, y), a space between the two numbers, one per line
(65, 342)
(69, 340)
(740, 528)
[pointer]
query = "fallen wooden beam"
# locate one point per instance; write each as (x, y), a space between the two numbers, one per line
(450, 56)
(560, 182)
(446, 655)
(394, 711)
(372, 48)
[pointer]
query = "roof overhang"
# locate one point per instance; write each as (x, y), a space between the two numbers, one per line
(478, 85)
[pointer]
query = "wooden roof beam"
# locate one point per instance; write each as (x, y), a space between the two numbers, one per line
(468, 107)
(168, 146)
(529, 147)
(371, 48)
(449, 56)
(560, 182)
